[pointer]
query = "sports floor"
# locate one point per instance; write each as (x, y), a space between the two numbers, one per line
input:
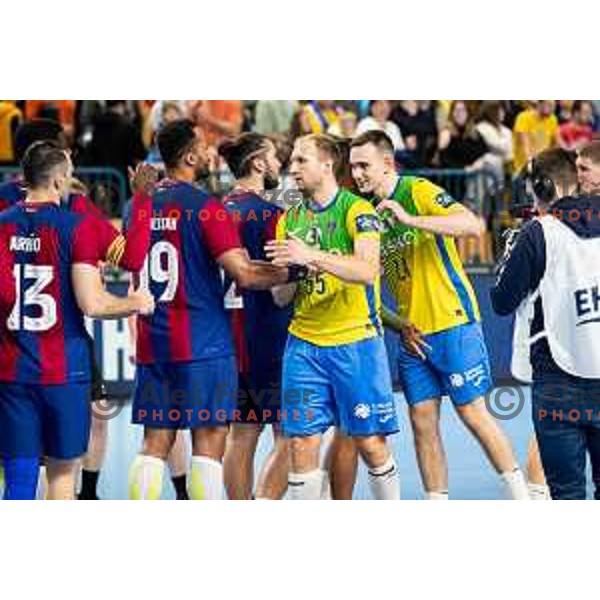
(471, 477)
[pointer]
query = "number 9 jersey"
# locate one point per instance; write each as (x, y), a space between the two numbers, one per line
(189, 231)
(42, 334)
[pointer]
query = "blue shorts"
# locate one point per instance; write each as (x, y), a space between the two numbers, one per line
(185, 395)
(348, 386)
(50, 420)
(457, 365)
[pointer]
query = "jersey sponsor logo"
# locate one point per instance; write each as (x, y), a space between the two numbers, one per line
(444, 199)
(25, 244)
(587, 305)
(368, 223)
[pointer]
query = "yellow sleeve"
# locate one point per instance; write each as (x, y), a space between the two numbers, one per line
(523, 122)
(280, 229)
(362, 221)
(432, 200)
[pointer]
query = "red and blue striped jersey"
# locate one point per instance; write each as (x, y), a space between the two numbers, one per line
(126, 252)
(189, 231)
(259, 325)
(43, 339)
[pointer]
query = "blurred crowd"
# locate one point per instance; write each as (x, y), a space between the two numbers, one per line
(453, 137)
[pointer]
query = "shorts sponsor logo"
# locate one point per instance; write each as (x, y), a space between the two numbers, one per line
(477, 375)
(457, 380)
(362, 411)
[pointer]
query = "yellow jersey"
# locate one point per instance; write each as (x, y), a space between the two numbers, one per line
(543, 132)
(423, 270)
(327, 310)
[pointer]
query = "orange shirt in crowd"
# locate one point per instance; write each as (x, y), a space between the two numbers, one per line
(229, 111)
(65, 109)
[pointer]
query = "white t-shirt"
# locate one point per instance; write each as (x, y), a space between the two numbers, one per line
(370, 124)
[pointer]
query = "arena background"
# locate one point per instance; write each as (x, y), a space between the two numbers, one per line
(472, 148)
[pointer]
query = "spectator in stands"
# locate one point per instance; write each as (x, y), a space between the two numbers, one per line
(61, 111)
(274, 116)
(461, 146)
(218, 119)
(317, 116)
(497, 138)
(416, 120)
(115, 141)
(535, 130)
(10, 119)
(170, 110)
(579, 130)
(153, 116)
(379, 119)
(345, 126)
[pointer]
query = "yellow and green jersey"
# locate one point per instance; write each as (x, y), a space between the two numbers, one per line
(422, 269)
(327, 310)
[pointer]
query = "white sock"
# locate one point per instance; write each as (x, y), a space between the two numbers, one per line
(206, 479)
(146, 478)
(325, 486)
(539, 491)
(515, 483)
(384, 481)
(437, 495)
(305, 486)
(42, 487)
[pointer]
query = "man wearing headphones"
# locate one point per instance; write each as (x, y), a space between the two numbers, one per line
(550, 276)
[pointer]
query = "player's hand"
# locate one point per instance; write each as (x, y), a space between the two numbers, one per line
(144, 302)
(413, 340)
(291, 250)
(401, 215)
(143, 178)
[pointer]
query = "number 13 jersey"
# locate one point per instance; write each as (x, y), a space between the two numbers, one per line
(190, 230)
(42, 333)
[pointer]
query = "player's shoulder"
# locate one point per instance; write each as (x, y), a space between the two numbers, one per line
(424, 191)
(12, 192)
(179, 192)
(351, 202)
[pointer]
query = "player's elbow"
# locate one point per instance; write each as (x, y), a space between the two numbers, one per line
(474, 226)
(91, 305)
(370, 274)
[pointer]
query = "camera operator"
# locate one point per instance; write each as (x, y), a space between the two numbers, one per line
(550, 275)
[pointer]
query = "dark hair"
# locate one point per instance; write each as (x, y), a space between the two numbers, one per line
(174, 140)
(36, 130)
(40, 161)
(489, 112)
(335, 147)
(551, 172)
(578, 105)
(239, 152)
(379, 139)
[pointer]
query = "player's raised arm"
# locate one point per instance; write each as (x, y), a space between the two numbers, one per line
(96, 302)
(457, 222)
(126, 251)
(92, 298)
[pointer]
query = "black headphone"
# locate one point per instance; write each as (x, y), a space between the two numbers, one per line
(544, 187)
